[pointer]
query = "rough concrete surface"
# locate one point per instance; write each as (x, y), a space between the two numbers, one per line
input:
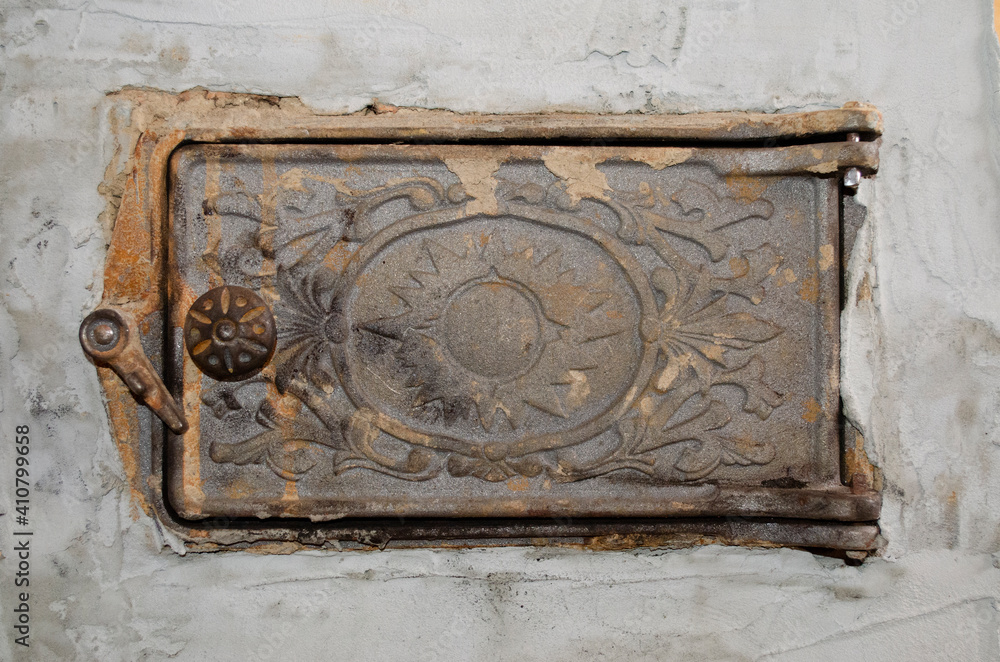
(921, 353)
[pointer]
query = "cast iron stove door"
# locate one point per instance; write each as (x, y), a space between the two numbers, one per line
(517, 332)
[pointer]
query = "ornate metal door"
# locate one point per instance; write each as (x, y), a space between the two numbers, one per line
(533, 336)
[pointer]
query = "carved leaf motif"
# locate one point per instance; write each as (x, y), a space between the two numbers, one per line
(293, 458)
(735, 330)
(711, 416)
(716, 246)
(251, 451)
(697, 328)
(750, 270)
(290, 448)
(494, 471)
(288, 458)
(701, 215)
(221, 399)
(243, 259)
(234, 204)
(363, 431)
(711, 450)
(719, 211)
(699, 325)
(310, 318)
(760, 398)
(423, 194)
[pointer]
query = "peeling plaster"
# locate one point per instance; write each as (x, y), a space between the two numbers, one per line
(476, 176)
(578, 168)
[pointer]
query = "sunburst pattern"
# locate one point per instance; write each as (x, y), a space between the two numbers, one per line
(490, 331)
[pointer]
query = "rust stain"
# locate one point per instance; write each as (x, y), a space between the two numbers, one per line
(620, 542)
(825, 257)
(564, 297)
(280, 548)
(746, 189)
(740, 266)
(291, 494)
(671, 372)
(864, 291)
(245, 132)
(795, 216)
(128, 276)
(809, 290)
(812, 410)
(518, 484)
(858, 467)
(579, 389)
(136, 199)
(239, 488)
(213, 221)
(647, 405)
(338, 257)
(194, 494)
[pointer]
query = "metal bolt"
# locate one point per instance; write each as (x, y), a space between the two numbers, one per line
(852, 178)
(225, 330)
(104, 333)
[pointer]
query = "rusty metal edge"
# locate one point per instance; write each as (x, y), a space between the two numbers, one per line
(835, 504)
(435, 126)
(590, 533)
(612, 533)
(137, 281)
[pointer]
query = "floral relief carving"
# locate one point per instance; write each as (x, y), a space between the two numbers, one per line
(492, 353)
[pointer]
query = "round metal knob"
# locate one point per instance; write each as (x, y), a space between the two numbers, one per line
(104, 334)
(230, 333)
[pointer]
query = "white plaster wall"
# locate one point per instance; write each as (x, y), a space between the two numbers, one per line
(921, 358)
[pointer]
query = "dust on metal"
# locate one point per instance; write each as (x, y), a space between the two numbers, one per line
(472, 331)
(391, 408)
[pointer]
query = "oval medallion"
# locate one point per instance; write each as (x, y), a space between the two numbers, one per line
(491, 332)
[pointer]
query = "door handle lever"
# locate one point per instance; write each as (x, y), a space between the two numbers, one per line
(110, 336)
